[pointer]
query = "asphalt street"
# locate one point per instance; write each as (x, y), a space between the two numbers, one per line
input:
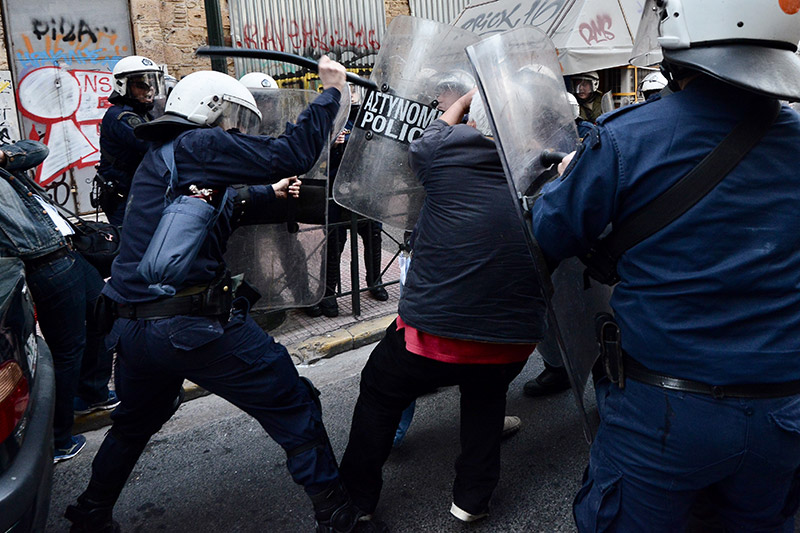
(212, 468)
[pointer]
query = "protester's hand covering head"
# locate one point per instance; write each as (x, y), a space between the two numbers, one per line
(478, 117)
(450, 86)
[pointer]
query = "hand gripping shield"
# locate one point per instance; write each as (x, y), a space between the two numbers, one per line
(421, 67)
(283, 256)
(530, 112)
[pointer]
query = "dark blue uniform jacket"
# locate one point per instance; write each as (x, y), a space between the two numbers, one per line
(120, 151)
(714, 296)
(211, 157)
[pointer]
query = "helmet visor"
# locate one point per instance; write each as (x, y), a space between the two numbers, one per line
(145, 87)
(238, 117)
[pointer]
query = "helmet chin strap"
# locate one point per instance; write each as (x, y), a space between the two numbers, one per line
(673, 73)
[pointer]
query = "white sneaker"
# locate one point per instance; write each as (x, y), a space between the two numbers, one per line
(464, 516)
(511, 425)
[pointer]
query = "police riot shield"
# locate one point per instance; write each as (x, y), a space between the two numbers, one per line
(527, 104)
(646, 50)
(420, 70)
(283, 255)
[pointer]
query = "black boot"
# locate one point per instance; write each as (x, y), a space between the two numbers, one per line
(334, 510)
(372, 261)
(552, 380)
(93, 512)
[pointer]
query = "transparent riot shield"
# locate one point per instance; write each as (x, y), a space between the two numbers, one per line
(527, 105)
(420, 70)
(646, 50)
(284, 257)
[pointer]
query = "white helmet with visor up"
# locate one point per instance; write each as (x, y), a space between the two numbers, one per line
(747, 43)
(592, 77)
(210, 98)
(138, 72)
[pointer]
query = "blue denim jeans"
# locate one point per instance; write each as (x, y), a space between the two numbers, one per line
(64, 292)
(657, 450)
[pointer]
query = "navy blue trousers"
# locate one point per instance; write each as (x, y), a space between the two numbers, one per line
(657, 450)
(238, 362)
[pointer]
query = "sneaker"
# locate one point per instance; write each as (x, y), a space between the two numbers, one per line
(511, 425)
(464, 516)
(75, 447)
(82, 408)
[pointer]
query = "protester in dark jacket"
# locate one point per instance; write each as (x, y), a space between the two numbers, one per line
(470, 315)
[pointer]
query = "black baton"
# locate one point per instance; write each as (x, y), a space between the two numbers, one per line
(286, 57)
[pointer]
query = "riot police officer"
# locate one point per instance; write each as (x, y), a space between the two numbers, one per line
(585, 86)
(652, 84)
(201, 333)
(137, 82)
(708, 306)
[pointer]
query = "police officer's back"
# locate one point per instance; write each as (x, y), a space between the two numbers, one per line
(708, 307)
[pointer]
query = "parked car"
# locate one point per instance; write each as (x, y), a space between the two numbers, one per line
(27, 399)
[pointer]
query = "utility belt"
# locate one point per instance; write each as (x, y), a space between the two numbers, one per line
(38, 262)
(214, 300)
(619, 366)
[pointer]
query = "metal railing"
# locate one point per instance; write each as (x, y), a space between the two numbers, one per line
(355, 270)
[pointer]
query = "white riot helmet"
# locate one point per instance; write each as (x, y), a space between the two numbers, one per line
(139, 71)
(573, 104)
(210, 98)
(750, 44)
(652, 83)
(592, 77)
(258, 80)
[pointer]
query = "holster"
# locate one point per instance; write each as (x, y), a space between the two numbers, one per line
(600, 265)
(104, 313)
(218, 297)
(608, 339)
(248, 292)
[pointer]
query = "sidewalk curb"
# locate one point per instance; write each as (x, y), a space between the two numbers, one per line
(306, 352)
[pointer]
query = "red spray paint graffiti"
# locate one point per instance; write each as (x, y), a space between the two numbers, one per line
(299, 36)
(597, 30)
(70, 105)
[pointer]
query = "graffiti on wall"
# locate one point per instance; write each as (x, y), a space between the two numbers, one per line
(9, 127)
(66, 107)
(303, 35)
(597, 30)
(526, 13)
(63, 55)
(71, 41)
(306, 37)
